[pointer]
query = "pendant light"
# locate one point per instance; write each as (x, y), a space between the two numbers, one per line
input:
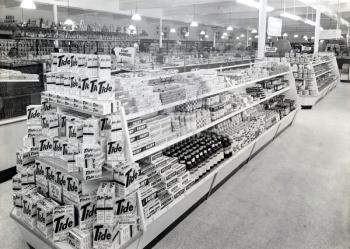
(254, 31)
(172, 30)
(28, 4)
(202, 32)
(69, 21)
(136, 16)
(229, 27)
(194, 23)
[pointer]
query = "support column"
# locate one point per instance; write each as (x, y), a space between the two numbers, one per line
(55, 19)
(55, 16)
(347, 38)
(317, 31)
(247, 33)
(262, 29)
(160, 32)
(214, 39)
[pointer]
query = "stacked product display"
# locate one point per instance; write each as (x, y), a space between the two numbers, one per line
(315, 76)
(74, 185)
(114, 160)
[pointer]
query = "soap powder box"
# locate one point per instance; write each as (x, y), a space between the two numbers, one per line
(126, 178)
(126, 209)
(79, 239)
(30, 201)
(87, 211)
(34, 114)
(106, 236)
(45, 216)
(63, 222)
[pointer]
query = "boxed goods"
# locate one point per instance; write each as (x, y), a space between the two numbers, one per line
(78, 239)
(104, 235)
(63, 222)
(126, 209)
(87, 211)
(126, 178)
(30, 201)
(45, 209)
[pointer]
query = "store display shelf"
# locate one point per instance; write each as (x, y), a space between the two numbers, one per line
(306, 101)
(19, 80)
(32, 235)
(13, 120)
(19, 96)
(79, 110)
(328, 71)
(203, 187)
(73, 39)
(170, 105)
(192, 133)
(322, 62)
(303, 78)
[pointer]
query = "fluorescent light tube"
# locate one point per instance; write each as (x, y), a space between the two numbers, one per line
(254, 4)
(28, 4)
(308, 21)
(290, 16)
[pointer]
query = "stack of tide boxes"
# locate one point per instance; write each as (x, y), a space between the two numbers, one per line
(73, 183)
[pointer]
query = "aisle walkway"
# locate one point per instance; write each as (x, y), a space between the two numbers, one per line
(294, 194)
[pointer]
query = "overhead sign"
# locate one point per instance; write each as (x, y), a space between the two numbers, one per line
(274, 27)
(125, 54)
(328, 34)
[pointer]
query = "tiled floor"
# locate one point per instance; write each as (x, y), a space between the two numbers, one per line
(293, 194)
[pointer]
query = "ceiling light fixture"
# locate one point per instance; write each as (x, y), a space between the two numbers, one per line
(312, 38)
(254, 31)
(249, 38)
(206, 36)
(308, 21)
(28, 4)
(254, 4)
(224, 34)
(242, 35)
(136, 16)
(172, 30)
(285, 34)
(194, 23)
(256, 36)
(69, 21)
(321, 28)
(296, 36)
(202, 32)
(229, 28)
(237, 38)
(291, 16)
(305, 37)
(187, 34)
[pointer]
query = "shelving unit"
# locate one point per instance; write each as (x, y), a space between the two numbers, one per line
(308, 101)
(153, 227)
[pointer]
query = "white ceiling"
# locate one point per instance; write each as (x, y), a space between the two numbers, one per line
(215, 12)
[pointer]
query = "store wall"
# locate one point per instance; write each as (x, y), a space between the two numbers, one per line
(11, 136)
(147, 24)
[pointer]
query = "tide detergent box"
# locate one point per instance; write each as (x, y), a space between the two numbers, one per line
(63, 222)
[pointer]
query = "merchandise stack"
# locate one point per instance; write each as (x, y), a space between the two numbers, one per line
(106, 156)
(315, 75)
(74, 184)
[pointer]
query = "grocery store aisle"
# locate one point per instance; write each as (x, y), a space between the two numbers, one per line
(293, 194)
